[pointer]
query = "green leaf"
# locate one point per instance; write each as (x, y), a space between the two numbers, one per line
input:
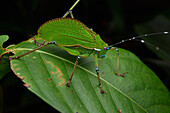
(3, 38)
(45, 72)
(4, 63)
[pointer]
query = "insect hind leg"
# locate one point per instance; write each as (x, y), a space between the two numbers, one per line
(18, 57)
(78, 58)
(37, 43)
(70, 10)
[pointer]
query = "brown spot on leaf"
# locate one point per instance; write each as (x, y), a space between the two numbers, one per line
(27, 85)
(48, 79)
(72, 92)
(57, 72)
(16, 69)
(22, 78)
(13, 65)
(17, 73)
(60, 77)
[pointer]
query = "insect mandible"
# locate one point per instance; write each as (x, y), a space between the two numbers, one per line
(78, 40)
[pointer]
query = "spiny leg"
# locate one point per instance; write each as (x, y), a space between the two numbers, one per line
(68, 83)
(40, 44)
(70, 10)
(10, 58)
(97, 71)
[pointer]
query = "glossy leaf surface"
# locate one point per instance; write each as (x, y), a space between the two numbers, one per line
(46, 71)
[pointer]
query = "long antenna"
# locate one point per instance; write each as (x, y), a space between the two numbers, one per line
(142, 41)
(156, 47)
(140, 36)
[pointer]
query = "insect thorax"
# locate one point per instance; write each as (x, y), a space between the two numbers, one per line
(100, 44)
(98, 49)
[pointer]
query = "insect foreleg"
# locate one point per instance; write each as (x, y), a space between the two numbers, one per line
(53, 42)
(68, 83)
(97, 71)
(117, 70)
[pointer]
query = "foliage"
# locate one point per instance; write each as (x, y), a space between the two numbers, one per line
(4, 63)
(46, 71)
(114, 20)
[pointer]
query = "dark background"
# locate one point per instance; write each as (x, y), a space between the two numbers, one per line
(114, 20)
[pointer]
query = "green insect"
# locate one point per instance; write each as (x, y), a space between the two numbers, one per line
(77, 39)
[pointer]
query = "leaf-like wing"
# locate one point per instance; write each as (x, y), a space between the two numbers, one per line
(68, 32)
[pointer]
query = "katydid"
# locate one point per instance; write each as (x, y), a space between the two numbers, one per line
(78, 40)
